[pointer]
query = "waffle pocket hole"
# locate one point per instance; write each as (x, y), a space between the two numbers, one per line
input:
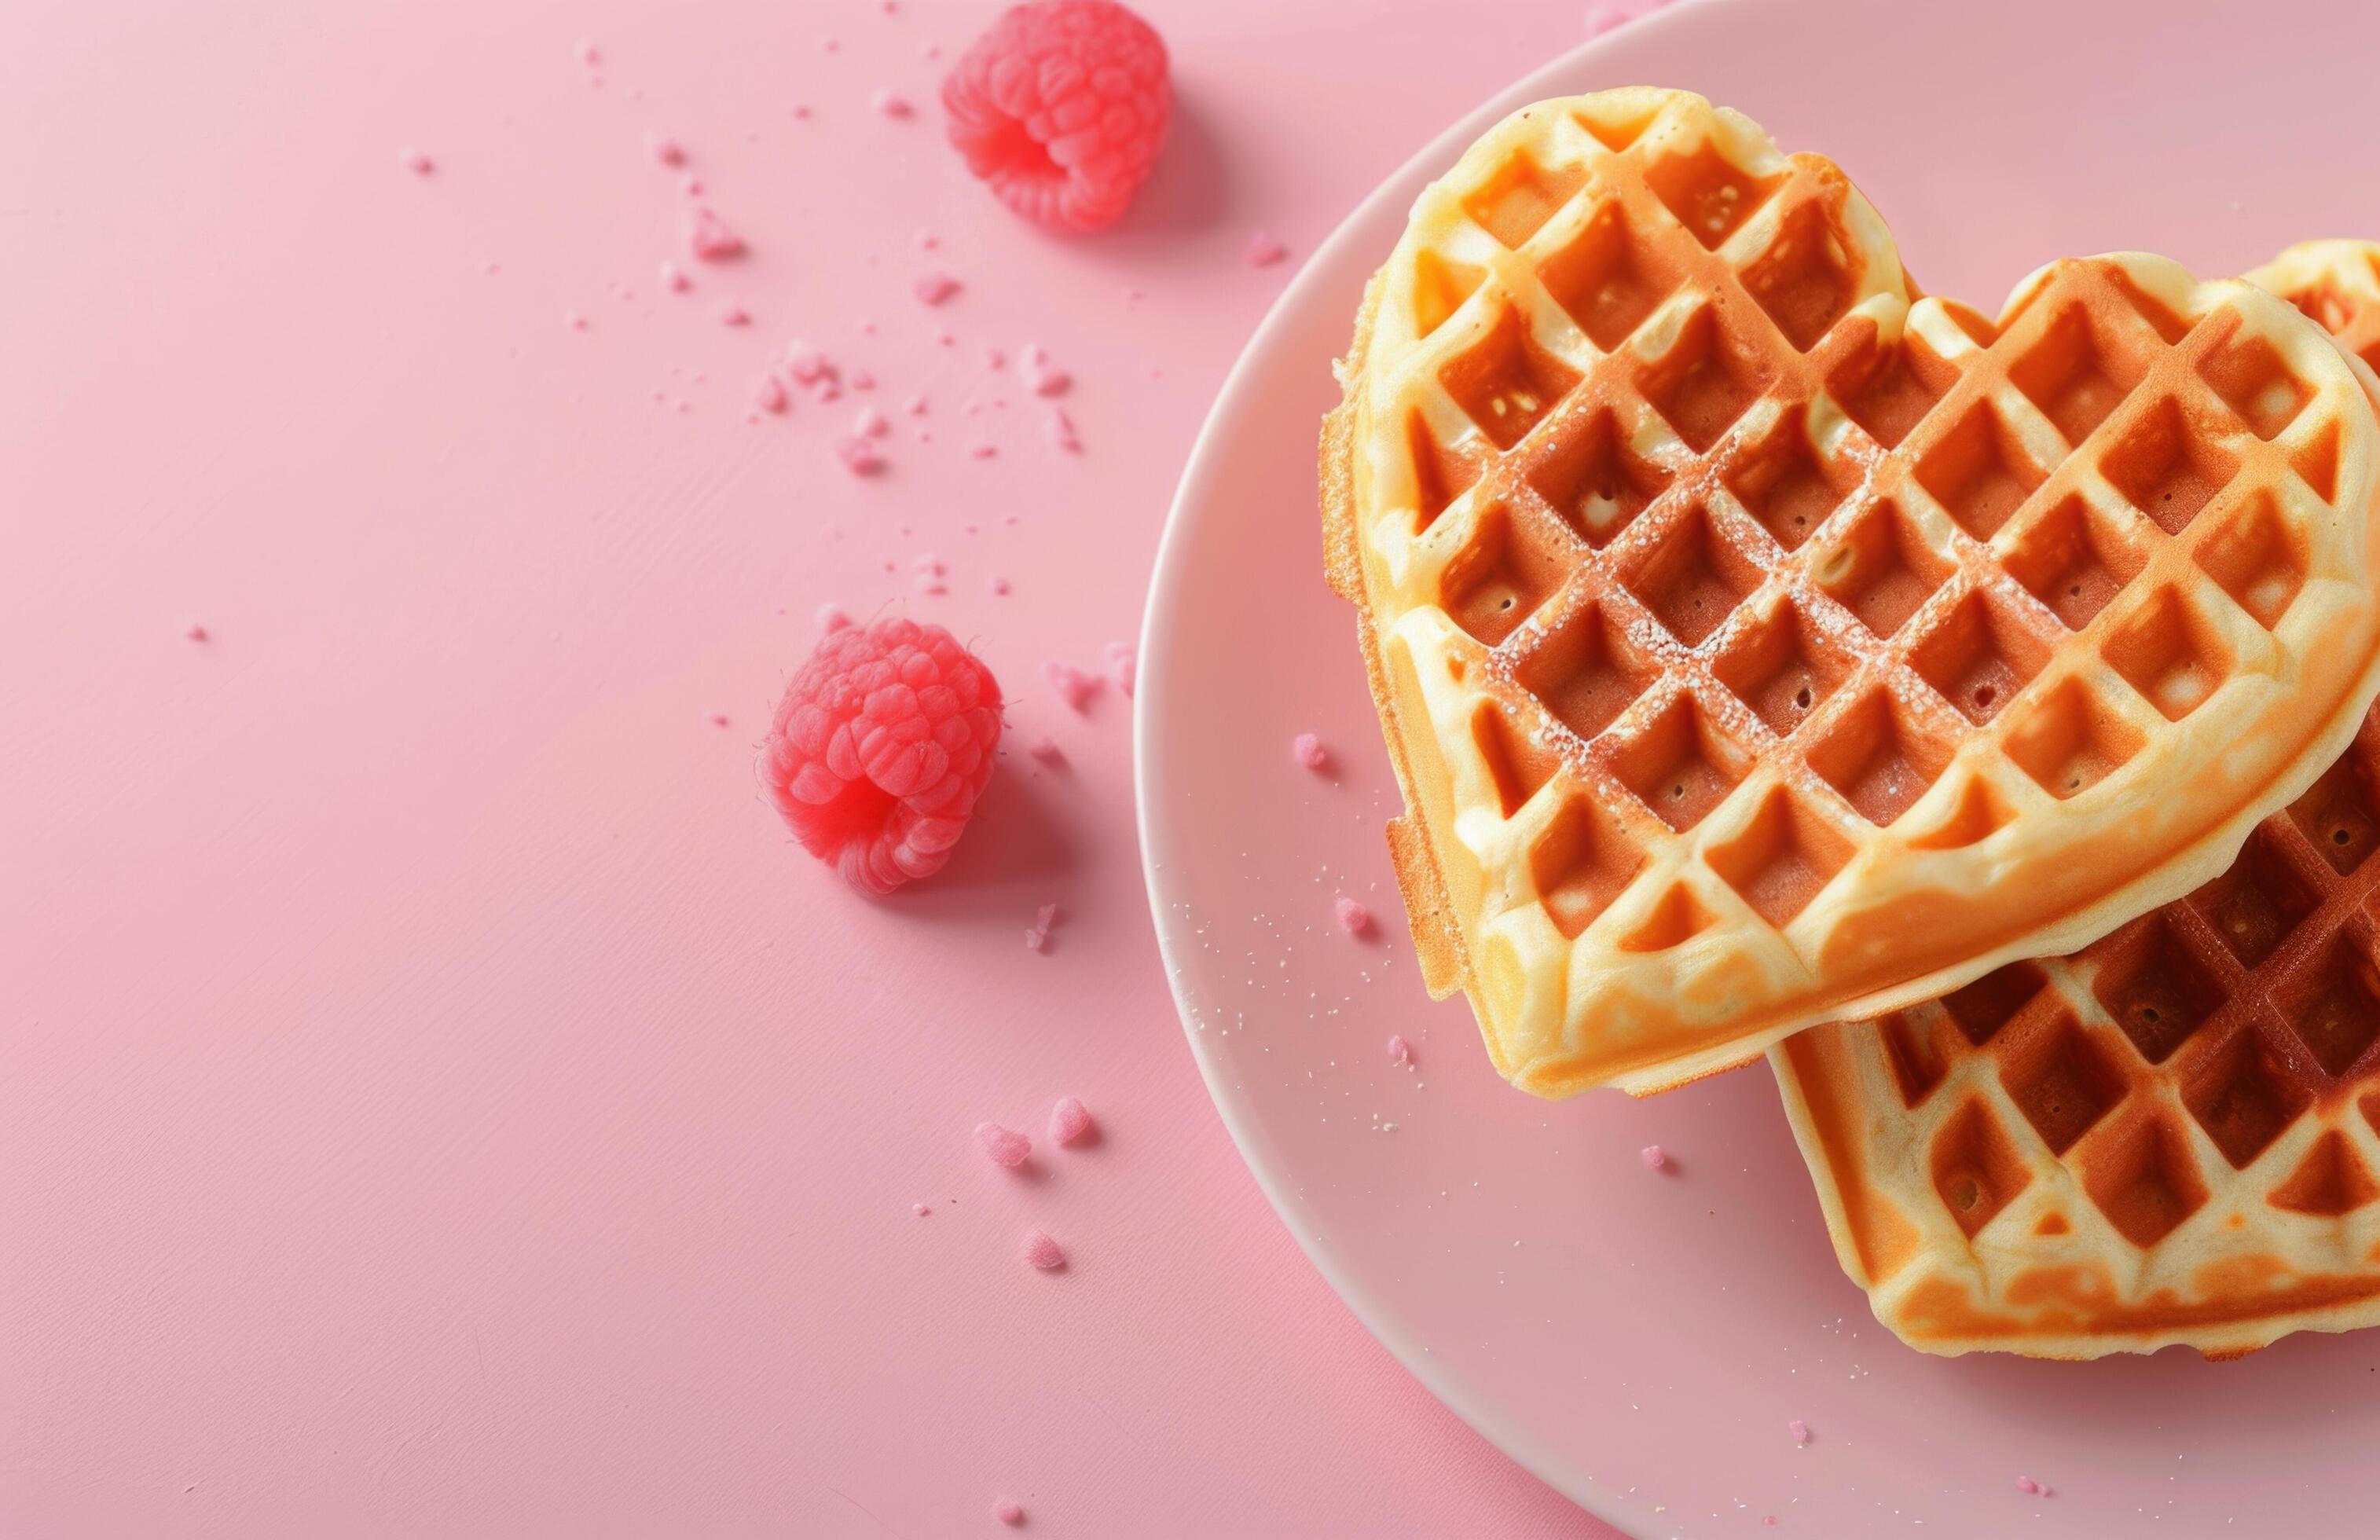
(2339, 815)
(2146, 1184)
(1918, 1062)
(1439, 287)
(1708, 194)
(1497, 580)
(1783, 857)
(1979, 1010)
(1887, 388)
(1700, 385)
(1694, 579)
(1579, 863)
(2069, 741)
(2152, 986)
(2257, 902)
(2332, 1180)
(1680, 764)
(1517, 763)
(1979, 656)
(1602, 279)
(2164, 463)
(1676, 917)
(2169, 652)
(1782, 666)
(1518, 200)
(1440, 475)
(1877, 756)
(2256, 559)
(1805, 280)
(2072, 376)
(2243, 1099)
(1975, 1168)
(1588, 671)
(2074, 560)
(1880, 569)
(2334, 1006)
(1978, 472)
(2061, 1083)
(2250, 376)
(1505, 382)
(1781, 483)
(1589, 476)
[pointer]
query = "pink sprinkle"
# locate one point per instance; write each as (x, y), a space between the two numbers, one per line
(984, 451)
(196, 632)
(999, 586)
(1799, 1429)
(1073, 686)
(862, 380)
(664, 149)
(870, 423)
(1308, 750)
(919, 1210)
(416, 161)
(858, 455)
(735, 315)
(829, 45)
(1399, 1051)
(1043, 1253)
(927, 240)
(718, 719)
(1263, 251)
(2027, 1485)
(708, 236)
(1124, 666)
(575, 320)
(994, 359)
(1042, 377)
(807, 365)
(1070, 1120)
(768, 394)
(1048, 752)
(944, 339)
(588, 53)
(1654, 1156)
(829, 619)
(1059, 431)
(1353, 918)
(1003, 1146)
(915, 405)
(1008, 1510)
(801, 110)
(674, 278)
(933, 288)
(891, 104)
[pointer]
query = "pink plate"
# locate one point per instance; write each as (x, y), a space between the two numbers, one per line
(1640, 1338)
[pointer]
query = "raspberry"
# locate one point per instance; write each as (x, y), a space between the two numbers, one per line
(1062, 108)
(879, 749)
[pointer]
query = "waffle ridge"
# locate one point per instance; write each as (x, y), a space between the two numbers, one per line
(1741, 620)
(2169, 1136)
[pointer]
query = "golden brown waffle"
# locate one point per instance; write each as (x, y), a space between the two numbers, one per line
(2167, 1137)
(1757, 647)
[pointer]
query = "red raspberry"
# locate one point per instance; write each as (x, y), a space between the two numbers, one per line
(881, 748)
(1062, 108)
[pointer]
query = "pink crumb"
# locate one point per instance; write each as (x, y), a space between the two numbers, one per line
(1037, 935)
(1799, 1429)
(858, 455)
(915, 405)
(891, 104)
(1654, 1156)
(806, 364)
(1003, 1147)
(1008, 1510)
(1353, 918)
(919, 1210)
(1070, 1120)
(862, 380)
(984, 451)
(801, 111)
(1059, 431)
(197, 631)
(768, 394)
(711, 238)
(735, 315)
(999, 586)
(1399, 1051)
(2027, 1485)
(1042, 1252)
(1263, 251)
(871, 423)
(674, 278)
(1042, 376)
(927, 240)
(1308, 750)
(1073, 686)
(1124, 666)
(719, 718)
(574, 319)
(665, 149)
(587, 52)
(1047, 751)
(416, 161)
(933, 288)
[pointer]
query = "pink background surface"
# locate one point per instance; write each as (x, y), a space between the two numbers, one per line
(439, 1100)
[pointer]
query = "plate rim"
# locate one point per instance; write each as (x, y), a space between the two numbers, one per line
(1533, 1454)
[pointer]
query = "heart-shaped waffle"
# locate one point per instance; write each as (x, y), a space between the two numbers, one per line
(1758, 646)
(2172, 1135)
